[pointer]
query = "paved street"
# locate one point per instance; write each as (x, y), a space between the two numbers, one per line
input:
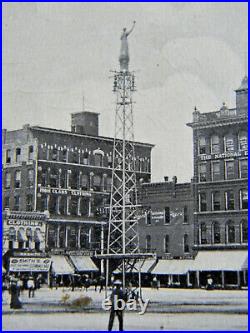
(169, 309)
(133, 321)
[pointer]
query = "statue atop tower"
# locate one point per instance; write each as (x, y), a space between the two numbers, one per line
(124, 54)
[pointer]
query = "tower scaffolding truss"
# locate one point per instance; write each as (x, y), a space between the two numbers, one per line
(123, 237)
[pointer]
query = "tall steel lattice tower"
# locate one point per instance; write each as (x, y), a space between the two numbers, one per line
(123, 238)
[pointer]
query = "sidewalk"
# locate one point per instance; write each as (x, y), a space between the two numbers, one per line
(160, 301)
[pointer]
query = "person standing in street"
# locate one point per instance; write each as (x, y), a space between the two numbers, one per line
(31, 286)
(117, 296)
(14, 300)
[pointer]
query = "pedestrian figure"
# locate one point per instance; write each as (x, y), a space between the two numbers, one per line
(102, 281)
(87, 283)
(14, 301)
(95, 283)
(209, 282)
(19, 286)
(31, 286)
(117, 298)
(155, 282)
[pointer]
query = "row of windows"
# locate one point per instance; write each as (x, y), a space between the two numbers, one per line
(228, 202)
(17, 155)
(73, 205)
(167, 215)
(96, 158)
(25, 238)
(17, 179)
(229, 143)
(75, 180)
(77, 237)
(186, 247)
(17, 201)
(216, 233)
(213, 171)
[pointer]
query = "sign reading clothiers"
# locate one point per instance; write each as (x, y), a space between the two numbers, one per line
(29, 264)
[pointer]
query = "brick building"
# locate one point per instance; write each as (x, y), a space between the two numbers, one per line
(68, 175)
(167, 224)
(220, 156)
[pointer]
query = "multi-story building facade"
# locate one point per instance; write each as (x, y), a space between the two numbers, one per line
(166, 225)
(220, 156)
(66, 174)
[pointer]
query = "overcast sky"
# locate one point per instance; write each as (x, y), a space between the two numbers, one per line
(185, 54)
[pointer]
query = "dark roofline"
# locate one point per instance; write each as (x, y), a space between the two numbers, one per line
(91, 112)
(46, 129)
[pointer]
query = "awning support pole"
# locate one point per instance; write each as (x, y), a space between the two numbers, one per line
(238, 279)
(198, 279)
(223, 279)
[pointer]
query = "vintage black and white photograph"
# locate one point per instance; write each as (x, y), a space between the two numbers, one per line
(125, 166)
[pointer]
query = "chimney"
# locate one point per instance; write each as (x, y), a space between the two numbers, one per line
(174, 179)
(85, 123)
(166, 179)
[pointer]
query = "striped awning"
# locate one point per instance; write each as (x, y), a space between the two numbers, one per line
(83, 264)
(60, 265)
(173, 266)
(219, 260)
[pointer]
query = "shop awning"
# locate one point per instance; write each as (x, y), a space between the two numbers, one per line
(60, 265)
(146, 266)
(173, 266)
(83, 264)
(228, 260)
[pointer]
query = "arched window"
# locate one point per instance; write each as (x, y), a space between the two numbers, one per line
(244, 231)
(98, 159)
(21, 237)
(12, 234)
(228, 143)
(29, 237)
(215, 144)
(203, 233)
(202, 145)
(85, 182)
(166, 244)
(12, 237)
(86, 158)
(243, 142)
(97, 183)
(216, 233)
(148, 243)
(230, 232)
(186, 243)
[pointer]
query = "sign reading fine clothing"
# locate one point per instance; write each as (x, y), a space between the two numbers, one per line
(29, 264)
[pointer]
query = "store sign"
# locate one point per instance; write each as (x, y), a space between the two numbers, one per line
(72, 192)
(223, 155)
(25, 223)
(176, 214)
(29, 264)
(157, 216)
